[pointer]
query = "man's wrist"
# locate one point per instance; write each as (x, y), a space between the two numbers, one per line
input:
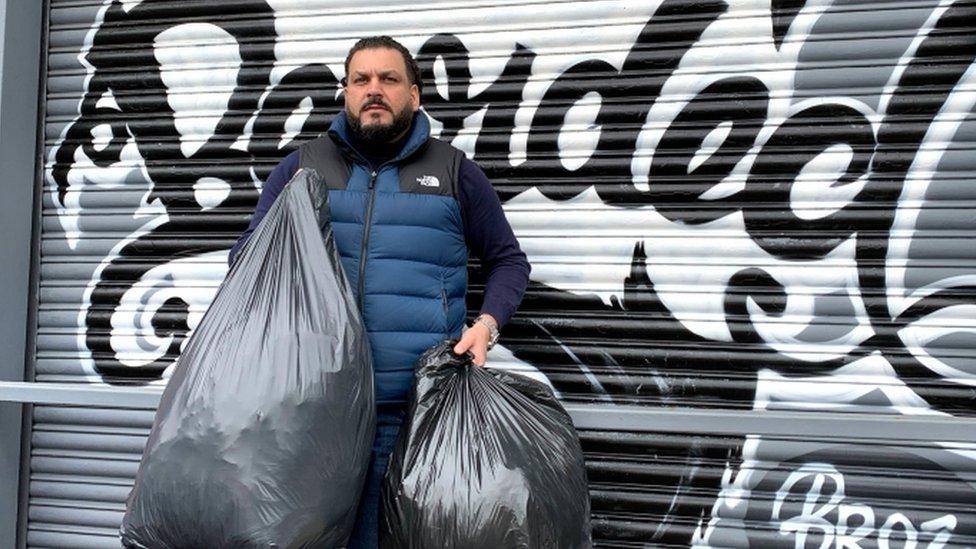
(489, 322)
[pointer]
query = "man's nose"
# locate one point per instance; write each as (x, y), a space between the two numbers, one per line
(374, 88)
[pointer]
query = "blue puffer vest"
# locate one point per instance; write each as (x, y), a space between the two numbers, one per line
(401, 241)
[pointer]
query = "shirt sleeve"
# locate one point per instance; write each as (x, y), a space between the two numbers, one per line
(282, 173)
(490, 237)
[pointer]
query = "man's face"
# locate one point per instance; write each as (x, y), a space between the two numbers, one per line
(380, 100)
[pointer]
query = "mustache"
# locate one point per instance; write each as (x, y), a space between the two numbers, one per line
(375, 101)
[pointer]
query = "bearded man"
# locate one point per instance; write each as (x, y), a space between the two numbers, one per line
(406, 210)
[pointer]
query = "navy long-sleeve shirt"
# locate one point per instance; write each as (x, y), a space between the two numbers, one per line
(486, 231)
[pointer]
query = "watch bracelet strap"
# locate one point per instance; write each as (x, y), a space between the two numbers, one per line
(484, 319)
(493, 329)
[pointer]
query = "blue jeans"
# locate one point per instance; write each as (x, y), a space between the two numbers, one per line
(365, 534)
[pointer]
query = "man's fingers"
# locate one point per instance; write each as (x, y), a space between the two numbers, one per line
(469, 342)
(463, 345)
(479, 357)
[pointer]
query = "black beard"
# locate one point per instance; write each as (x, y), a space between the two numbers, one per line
(375, 135)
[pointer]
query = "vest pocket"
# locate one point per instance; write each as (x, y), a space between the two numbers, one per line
(444, 303)
(447, 321)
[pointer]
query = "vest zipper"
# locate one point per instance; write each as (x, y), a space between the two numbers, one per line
(369, 207)
(363, 249)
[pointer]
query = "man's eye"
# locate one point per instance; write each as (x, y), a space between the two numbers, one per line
(359, 80)
(391, 79)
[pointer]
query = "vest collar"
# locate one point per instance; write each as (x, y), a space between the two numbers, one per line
(417, 138)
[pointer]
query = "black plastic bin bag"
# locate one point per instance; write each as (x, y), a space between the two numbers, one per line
(264, 432)
(486, 459)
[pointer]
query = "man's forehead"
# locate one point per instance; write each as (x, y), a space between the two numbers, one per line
(377, 60)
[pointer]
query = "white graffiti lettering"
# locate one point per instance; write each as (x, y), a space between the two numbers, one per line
(826, 517)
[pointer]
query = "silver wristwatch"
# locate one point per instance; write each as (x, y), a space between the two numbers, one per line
(492, 328)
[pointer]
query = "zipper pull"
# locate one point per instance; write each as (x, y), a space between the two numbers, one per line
(372, 179)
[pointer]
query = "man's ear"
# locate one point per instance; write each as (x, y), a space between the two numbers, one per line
(415, 97)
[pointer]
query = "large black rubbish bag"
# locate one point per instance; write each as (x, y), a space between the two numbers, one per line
(486, 459)
(264, 432)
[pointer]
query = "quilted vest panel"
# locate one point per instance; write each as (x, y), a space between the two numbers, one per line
(400, 237)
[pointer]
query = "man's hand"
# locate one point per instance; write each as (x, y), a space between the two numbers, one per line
(475, 339)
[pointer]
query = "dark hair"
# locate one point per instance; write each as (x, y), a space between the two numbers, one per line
(372, 42)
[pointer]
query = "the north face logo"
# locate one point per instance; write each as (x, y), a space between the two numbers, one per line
(429, 181)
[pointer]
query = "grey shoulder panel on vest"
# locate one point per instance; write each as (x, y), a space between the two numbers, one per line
(324, 156)
(433, 171)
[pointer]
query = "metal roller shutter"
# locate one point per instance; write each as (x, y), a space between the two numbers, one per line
(728, 205)
(779, 492)
(82, 465)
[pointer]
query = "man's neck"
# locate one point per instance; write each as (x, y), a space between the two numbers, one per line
(379, 153)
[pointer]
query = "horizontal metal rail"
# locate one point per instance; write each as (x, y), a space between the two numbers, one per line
(776, 423)
(610, 417)
(77, 394)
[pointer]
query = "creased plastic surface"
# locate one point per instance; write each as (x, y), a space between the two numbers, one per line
(264, 432)
(486, 460)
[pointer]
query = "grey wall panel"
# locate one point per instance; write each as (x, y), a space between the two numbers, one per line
(21, 41)
(733, 205)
